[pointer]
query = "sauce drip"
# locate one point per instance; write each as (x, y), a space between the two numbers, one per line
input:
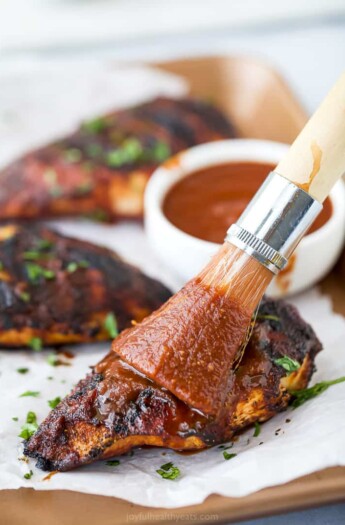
(205, 203)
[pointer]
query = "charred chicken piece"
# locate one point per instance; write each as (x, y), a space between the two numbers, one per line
(115, 408)
(101, 170)
(56, 290)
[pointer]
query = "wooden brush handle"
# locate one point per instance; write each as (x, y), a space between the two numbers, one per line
(316, 160)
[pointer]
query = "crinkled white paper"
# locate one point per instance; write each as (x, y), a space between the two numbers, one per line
(314, 439)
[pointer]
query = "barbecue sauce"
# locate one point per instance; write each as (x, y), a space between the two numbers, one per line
(205, 203)
(189, 345)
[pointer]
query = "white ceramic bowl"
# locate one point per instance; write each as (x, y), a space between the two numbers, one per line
(185, 255)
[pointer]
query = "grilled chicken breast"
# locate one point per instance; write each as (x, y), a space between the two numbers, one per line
(56, 290)
(115, 408)
(101, 170)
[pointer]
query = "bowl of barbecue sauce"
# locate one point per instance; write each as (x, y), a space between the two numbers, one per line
(192, 199)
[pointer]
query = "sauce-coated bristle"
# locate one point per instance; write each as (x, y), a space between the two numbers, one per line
(237, 275)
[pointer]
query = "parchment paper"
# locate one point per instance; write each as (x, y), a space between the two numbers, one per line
(313, 439)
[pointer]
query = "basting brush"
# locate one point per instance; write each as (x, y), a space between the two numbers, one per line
(192, 343)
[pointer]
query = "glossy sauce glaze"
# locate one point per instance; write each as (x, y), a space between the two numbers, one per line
(205, 203)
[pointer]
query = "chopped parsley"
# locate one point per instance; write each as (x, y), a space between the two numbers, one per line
(257, 429)
(301, 396)
(25, 296)
(14, 419)
(95, 126)
(30, 427)
(32, 255)
(97, 215)
(28, 475)
(268, 317)
(169, 471)
(132, 151)
(1, 266)
(161, 151)
(22, 370)
(31, 418)
(290, 365)
(83, 264)
(73, 266)
(110, 325)
(94, 151)
(54, 402)
(50, 177)
(44, 244)
(52, 360)
(36, 344)
(84, 187)
(30, 393)
(113, 463)
(72, 155)
(35, 272)
(227, 456)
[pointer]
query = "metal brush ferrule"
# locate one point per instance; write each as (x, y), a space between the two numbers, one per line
(274, 222)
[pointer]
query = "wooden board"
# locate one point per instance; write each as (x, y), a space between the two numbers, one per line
(261, 106)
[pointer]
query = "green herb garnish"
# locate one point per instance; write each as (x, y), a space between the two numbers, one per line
(129, 152)
(161, 151)
(132, 151)
(301, 396)
(52, 360)
(36, 344)
(110, 325)
(22, 370)
(32, 255)
(44, 244)
(94, 126)
(31, 418)
(268, 317)
(83, 264)
(73, 266)
(72, 155)
(54, 402)
(14, 419)
(1, 266)
(25, 297)
(94, 151)
(35, 272)
(97, 215)
(30, 393)
(227, 456)
(84, 187)
(28, 475)
(30, 427)
(257, 429)
(169, 471)
(113, 463)
(290, 365)
(50, 177)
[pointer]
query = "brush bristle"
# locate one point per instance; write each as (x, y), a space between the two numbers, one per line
(237, 275)
(192, 344)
